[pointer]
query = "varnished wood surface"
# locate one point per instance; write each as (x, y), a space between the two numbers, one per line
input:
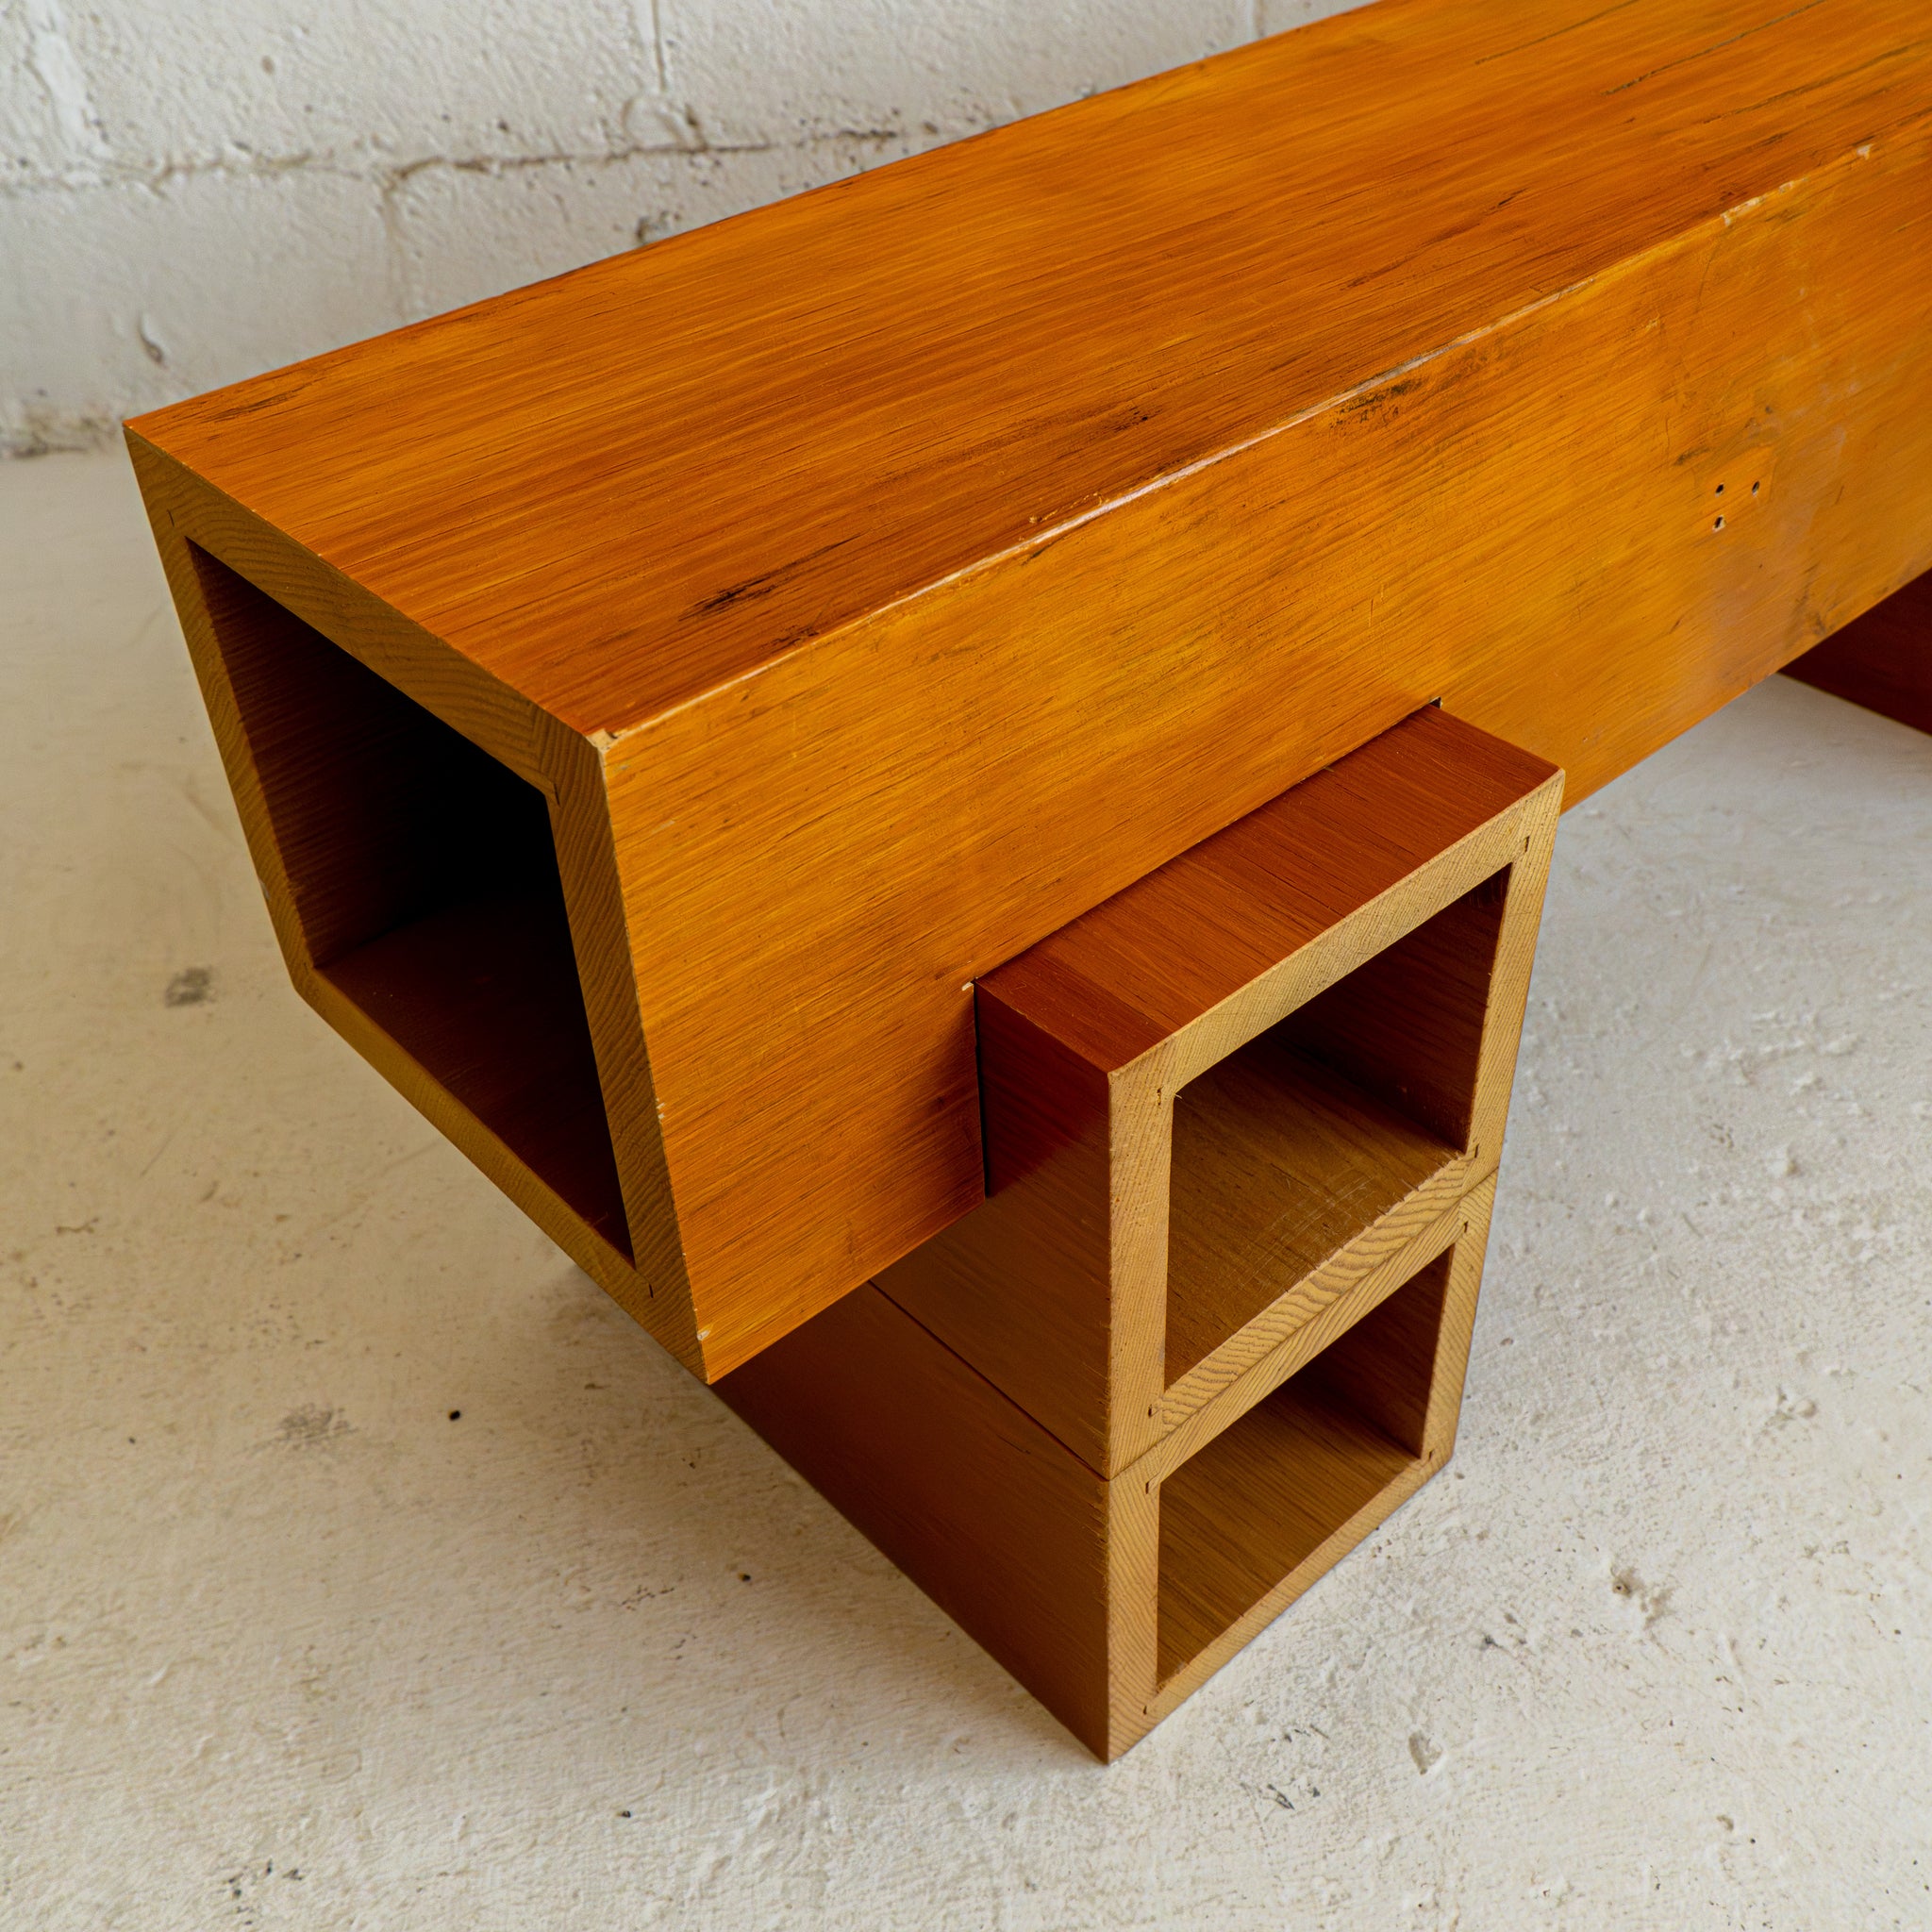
(1024, 1287)
(1206, 938)
(1883, 661)
(349, 828)
(997, 1523)
(413, 875)
(621, 488)
(920, 563)
(1224, 1100)
(1286, 1490)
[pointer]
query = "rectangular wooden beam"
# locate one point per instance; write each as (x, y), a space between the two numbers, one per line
(874, 582)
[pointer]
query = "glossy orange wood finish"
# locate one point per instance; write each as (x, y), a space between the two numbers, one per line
(877, 581)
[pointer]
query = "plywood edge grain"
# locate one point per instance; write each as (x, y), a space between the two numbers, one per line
(1510, 974)
(656, 1290)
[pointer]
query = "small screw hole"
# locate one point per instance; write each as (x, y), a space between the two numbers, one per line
(1756, 488)
(1720, 489)
(1719, 524)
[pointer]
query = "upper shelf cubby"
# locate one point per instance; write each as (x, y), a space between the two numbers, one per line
(1235, 1104)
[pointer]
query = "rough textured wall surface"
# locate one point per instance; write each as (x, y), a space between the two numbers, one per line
(364, 1569)
(192, 193)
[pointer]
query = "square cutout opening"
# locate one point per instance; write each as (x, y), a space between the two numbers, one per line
(427, 886)
(1243, 1513)
(1305, 1136)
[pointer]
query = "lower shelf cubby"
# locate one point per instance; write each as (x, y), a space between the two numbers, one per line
(1243, 1515)
(1112, 1600)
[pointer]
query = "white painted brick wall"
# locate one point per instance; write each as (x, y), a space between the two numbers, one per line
(191, 191)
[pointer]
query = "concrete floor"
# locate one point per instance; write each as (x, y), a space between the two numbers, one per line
(286, 1644)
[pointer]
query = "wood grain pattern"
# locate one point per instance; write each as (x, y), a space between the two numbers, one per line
(997, 1523)
(1882, 661)
(1114, 1600)
(1278, 1165)
(765, 440)
(1293, 1484)
(1223, 1097)
(428, 912)
(1297, 1329)
(892, 604)
(1255, 1505)
(422, 884)
(1406, 1027)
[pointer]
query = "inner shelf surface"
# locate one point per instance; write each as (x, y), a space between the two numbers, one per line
(1278, 1161)
(1255, 1503)
(483, 995)
(1305, 1137)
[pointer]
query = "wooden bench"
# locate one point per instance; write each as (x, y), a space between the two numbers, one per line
(656, 698)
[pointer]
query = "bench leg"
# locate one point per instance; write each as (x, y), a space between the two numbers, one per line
(1882, 661)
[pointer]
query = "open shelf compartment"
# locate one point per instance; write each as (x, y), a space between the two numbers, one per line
(1300, 1142)
(1245, 1514)
(1113, 1599)
(424, 890)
